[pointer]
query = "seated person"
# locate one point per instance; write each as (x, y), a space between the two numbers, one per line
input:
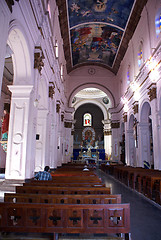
(44, 175)
(146, 165)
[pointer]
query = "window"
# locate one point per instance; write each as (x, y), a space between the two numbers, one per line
(56, 49)
(140, 54)
(61, 72)
(158, 22)
(128, 74)
(48, 8)
(87, 120)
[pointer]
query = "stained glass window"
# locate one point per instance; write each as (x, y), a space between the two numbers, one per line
(87, 119)
(158, 22)
(140, 54)
(128, 75)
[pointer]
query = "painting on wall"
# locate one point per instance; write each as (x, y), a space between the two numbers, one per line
(95, 42)
(96, 29)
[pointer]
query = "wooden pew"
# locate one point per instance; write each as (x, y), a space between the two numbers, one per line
(62, 190)
(61, 184)
(62, 199)
(65, 218)
(86, 179)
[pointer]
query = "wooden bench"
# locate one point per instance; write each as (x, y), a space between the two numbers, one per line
(62, 199)
(61, 184)
(86, 179)
(65, 218)
(62, 190)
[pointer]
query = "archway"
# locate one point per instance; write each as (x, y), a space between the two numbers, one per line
(146, 138)
(20, 140)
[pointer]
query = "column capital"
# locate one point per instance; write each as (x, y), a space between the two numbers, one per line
(20, 90)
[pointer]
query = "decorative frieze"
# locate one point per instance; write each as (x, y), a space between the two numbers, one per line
(135, 107)
(62, 117)
(57, 107)
(152, 91)
(115, 124)
(68, 124)
(125, 117)
(10, 3)
(107, 133)
(51, 90)
(38, 58)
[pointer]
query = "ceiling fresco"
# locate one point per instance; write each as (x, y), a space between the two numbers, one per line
(96, 29)
(97, 32)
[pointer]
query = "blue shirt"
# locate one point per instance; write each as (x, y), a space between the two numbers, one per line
(43, 176)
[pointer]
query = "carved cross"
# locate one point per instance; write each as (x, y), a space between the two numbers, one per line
(95, 217)
(75, 218)
(34, 218)
(54, 218)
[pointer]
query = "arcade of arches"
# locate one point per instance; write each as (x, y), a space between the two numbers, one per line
(64, 94)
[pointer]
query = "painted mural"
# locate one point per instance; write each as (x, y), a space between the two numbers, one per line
(96, 29)
(95, 42)
(115, 12)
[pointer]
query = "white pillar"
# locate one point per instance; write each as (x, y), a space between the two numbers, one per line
(144, 143)
(155, 133)
(20, 138)
(115, 141)
(158, 127)
(41, 142)
(107, 137)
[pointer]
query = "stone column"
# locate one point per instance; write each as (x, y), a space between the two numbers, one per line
(69, 140)
(41, 141)
(155, 133)
(144, 143)
(107, 137)
(115, 140)
(20, 138)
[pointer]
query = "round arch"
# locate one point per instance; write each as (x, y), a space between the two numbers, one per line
(101, 106)
(145, 112)
(21, 57)
(92, 85)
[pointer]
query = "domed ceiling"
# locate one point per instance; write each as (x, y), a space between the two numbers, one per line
(97, 31)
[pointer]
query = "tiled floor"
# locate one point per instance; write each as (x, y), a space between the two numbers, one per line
(145, 217)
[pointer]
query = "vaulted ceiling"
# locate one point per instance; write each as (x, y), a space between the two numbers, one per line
(97, 32)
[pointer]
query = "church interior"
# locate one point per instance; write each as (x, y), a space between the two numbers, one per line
(80, 92)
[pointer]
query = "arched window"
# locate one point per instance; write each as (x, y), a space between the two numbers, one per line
(48, 8)
(128, 74)
(158, 22)
(87, 120)
(61, 72)
(140, 54)
(56, 49)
